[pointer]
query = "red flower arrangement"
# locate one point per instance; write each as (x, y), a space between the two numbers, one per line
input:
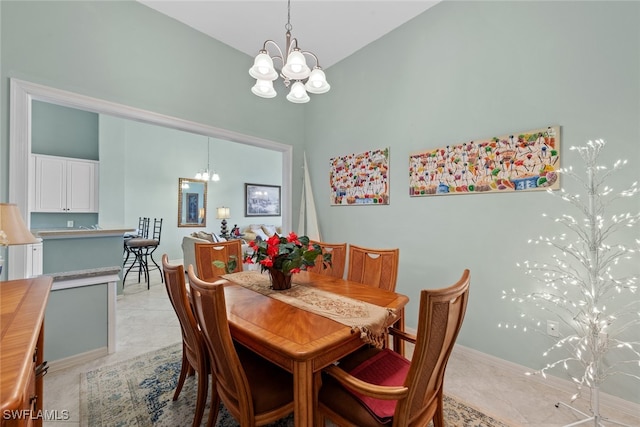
(289, 254)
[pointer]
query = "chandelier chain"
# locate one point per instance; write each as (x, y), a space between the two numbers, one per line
(288, 26)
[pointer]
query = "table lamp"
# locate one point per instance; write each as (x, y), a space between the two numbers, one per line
(13, 230)
(223, 214)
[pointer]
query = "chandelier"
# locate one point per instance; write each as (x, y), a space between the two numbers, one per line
(295, 72)
(206, 175)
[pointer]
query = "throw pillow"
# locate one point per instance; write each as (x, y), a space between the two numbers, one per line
(257, 230)
(205, 236)
(269, 229)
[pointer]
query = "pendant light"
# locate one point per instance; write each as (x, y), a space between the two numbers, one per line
(295, 72)
(206, 175)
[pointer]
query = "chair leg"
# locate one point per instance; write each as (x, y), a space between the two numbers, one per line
(214, 408)
(128, 252)
(201, 398)
(135, 254)
(438, 417)
(183, 374)
(145, 268)
(156, 264)
(142, 272)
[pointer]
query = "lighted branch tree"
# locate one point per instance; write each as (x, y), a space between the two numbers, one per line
(596, 310)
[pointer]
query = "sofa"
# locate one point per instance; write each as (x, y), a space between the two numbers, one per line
(189, 246)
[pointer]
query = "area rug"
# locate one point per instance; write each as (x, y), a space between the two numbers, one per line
(138, 392)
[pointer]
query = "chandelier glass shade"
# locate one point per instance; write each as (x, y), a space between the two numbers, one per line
(295, 72)
(206, 175)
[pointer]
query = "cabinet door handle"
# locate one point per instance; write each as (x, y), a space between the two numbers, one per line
(41, 369)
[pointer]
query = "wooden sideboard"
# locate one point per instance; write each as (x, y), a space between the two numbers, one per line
(22, 307)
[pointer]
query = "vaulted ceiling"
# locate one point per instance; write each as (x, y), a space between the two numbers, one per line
(332, 30)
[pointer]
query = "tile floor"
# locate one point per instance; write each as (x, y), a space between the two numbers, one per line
(146, 321)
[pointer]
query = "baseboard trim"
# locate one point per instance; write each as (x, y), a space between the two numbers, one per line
(71, 361)
(614, 402)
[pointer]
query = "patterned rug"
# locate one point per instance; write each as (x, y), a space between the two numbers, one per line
(138, 392)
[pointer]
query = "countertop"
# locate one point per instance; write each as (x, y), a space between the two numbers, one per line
(72, 233)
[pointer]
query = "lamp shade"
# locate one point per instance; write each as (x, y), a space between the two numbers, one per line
(223, 213)
(263, 89)
(13, 226)
(263, 68)
(296, 67)
(317, 82)
(298, 94)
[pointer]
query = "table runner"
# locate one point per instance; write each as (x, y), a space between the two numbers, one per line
(369, 319)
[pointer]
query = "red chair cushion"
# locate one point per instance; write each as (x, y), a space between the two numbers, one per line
(385, 368)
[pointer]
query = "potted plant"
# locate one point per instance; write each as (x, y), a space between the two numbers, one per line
(283, 256)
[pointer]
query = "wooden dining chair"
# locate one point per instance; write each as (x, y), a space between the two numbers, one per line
(206, 253)
(194, 351)
(374, 267)
(338, 253)
(254, 391)
(377, 388)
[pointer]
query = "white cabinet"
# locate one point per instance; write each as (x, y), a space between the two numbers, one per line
(34, 260)
(25, 261)
(64, 184)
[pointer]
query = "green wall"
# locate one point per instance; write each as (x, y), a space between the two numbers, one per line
(61, 255)
(469, 70)
(63, 131)
(127, 53)
(139, 172)
(76, 321)
(460, 71)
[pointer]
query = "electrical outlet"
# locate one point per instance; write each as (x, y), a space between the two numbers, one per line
(553, 328)
(69, 224)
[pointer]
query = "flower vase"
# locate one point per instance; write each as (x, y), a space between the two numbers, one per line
(279, 280)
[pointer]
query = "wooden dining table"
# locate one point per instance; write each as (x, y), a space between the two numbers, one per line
(299, 341)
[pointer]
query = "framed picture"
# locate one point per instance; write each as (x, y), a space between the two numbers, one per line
(520, 161)
(261, 200)
(360, 179)
(192, 203)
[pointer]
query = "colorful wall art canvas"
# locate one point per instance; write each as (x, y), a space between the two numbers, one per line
(360, 179)
(522, 161)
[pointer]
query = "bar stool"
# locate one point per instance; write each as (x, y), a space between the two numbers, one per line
(143, 249)
(141, 232)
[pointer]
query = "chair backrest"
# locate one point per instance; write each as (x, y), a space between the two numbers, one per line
(338, 253)
(194, 345)
(441, 314)
(143, 227)
(157, 229)
(211, 312)
(206, 253)
(374, 267)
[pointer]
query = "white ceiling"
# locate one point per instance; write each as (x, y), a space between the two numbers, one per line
(330, 29)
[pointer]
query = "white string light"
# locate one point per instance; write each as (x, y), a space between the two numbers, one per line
(579, 286)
